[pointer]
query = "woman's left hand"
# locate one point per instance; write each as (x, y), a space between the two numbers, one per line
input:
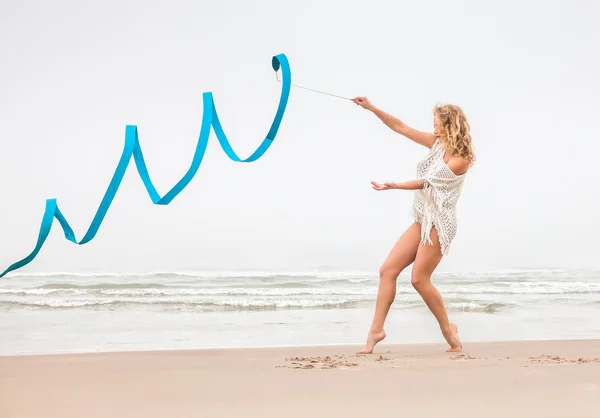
(363, 102)
(384, 186)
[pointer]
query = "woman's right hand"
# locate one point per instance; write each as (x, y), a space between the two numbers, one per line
(388, 185)
(363, 102)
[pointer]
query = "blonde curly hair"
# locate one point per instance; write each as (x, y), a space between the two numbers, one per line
(454, 131)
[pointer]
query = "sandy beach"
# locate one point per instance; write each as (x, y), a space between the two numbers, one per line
(512, 379)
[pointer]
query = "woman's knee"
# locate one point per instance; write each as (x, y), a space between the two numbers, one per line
(388, 272)
(418, 280)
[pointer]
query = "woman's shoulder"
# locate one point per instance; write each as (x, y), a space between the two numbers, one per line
(458, 165)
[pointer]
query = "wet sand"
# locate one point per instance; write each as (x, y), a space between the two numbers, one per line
(512, 379)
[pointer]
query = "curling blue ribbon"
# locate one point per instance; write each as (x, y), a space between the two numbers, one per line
(132, 148)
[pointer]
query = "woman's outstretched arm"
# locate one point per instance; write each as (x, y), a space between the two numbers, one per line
(407, 185)
(426, 139)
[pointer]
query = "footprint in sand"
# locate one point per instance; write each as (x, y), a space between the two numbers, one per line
(328, 362)
(463, 357)
(548, 359)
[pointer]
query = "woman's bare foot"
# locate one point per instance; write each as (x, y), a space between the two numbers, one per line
(372, 340)
(452, 338)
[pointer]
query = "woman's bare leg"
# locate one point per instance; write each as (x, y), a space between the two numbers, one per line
(427, 259)
(401, 256)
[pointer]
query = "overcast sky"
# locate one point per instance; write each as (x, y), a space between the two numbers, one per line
(75, 73)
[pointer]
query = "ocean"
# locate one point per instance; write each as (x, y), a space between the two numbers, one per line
(63, 312)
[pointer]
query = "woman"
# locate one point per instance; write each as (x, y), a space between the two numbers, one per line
(439, 181)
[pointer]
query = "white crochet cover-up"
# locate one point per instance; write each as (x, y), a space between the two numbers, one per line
(435, 204)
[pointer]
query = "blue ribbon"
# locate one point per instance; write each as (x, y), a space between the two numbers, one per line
(132, 147)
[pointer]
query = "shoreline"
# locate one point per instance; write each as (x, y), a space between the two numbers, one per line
(550, 378)
(335, 346)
